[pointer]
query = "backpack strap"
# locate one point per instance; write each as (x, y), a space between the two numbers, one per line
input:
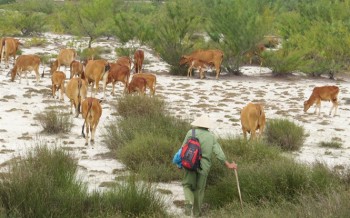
(193, 133)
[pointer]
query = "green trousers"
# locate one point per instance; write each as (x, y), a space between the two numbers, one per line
(194, 186)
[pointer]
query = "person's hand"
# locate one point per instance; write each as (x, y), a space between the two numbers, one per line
(232, 165)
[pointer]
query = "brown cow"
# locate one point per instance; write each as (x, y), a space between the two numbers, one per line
(151, 81)
(197, 64)
(138, 60)
(255, 52)
(25, 64)
(8, 47)
(323, 93)
(65, 57)
(57, 79)
(137, 84)
(76, 91)
(118, 73)
(252, 119)
(97, 70)
(91, 112)
(76, 69)
(210, 57)
(124, 61)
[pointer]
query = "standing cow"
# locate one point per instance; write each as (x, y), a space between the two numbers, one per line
(91, 111)
(65, 58)
(8, 48)
(138, 60)
(97, 70)
(252, 119)
(76, 91)
(57, 79)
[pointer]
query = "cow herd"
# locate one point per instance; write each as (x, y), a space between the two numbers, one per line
(92, 72)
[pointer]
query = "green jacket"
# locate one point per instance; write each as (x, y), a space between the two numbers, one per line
(209, 146)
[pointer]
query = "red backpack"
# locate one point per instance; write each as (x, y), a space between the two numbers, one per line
(191, 153)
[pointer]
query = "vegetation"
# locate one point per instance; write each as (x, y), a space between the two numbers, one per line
(285, 134)
(44, 185)
(54, 121)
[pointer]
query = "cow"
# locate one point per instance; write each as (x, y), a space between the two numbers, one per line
(151, 81)
(57, 79)
(255, 52)
(97, 70)
(25, 64)
(138, 60)
(323, 93)
(124, 61)
(210, 57)
(137, 84)
(76, 91)
(91, 112)
(118, 73)
(8, 48)
(76, 69)
(253, 119)
(65, 57)
(197, 64)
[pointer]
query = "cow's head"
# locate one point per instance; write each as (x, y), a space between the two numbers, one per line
(13, 73)
(184, 60)
(306, 106)
(53, 66)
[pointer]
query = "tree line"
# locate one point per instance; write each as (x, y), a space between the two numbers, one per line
(314, 34)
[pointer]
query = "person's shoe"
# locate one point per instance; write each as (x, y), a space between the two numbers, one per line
(188, 209)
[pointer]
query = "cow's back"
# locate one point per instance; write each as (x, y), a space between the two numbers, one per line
(94, 69)
(28, 62)
(66, 56)
(93, 108)
(74, 89)
(250, 114)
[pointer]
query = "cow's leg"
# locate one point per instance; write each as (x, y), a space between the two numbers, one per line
(62, 91)
(37, 76)
(87, 132)
(318, 106)
(53, 90)
(217, 68)
(244, 133)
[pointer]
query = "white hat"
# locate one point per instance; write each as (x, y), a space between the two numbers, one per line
(203, 121)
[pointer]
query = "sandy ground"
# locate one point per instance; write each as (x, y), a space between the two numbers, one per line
(188, 98)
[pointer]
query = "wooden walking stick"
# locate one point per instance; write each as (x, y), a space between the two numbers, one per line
(239, 190)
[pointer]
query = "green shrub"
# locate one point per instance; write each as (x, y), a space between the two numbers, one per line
(331, 144)
(285, 134)
(38, 42)
(55, 122)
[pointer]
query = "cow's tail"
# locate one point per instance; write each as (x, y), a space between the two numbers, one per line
(42, 75)
(79, 95)
(87, 113)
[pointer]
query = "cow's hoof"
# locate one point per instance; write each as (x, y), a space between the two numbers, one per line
(92, 141)
(86, 143)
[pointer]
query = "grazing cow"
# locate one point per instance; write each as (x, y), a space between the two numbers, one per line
(25, 64)
(138, 60)
(57, 79)
(118, 73)
(76, 91)
(252, 119)
(8, 47)
(76, 69)
(323, 93)
(97, 70)
(137, 84)
(91, 112)
(151, 81)
(124, 61)
(210, 57)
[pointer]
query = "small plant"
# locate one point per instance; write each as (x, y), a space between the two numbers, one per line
(38, 42)
(285, 134)
(54, 121)
(331, 144)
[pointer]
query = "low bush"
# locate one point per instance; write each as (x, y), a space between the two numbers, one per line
(55, 121)
(285, 134)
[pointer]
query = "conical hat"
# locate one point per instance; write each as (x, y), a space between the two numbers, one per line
(203, 121)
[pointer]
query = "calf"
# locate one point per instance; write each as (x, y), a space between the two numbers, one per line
(197, 64)
(76, 69)
(138, 60)
(252, 119)
(97, 70)
(91, 111)
(137, 84)
(210, 57)
(151, 80)
(25, 64)
(118, 73)
(8, 48)
(76, 91)
(57, 79)
(323, 93)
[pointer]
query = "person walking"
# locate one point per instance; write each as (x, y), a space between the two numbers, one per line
(194, 181)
